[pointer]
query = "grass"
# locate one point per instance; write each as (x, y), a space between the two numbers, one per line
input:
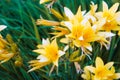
(20, 18)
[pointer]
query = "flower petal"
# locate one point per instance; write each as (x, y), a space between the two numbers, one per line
(106, 34)
(117, 76)
(117, 17)
(68, 13)
(109, 65)
(91, 69)
(45, 42)
(61, 53)
(2, 27)
(105, 6)
(114, 8)
(55, 62)
(42, 58)
(68, 25)
(40, 51)
(99, 63)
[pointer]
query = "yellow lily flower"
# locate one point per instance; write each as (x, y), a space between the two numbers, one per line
(81, 33)
(101, 71)
(112, 17)
(49, 53)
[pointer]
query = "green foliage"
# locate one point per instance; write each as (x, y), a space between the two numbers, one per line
(20, 18)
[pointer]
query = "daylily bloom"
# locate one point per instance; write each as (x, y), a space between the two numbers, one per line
(112, 17)
(49, 53)
(101, 71)
(81, 32)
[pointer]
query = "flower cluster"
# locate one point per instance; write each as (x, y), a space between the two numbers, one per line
(79, 31)
(8, 49)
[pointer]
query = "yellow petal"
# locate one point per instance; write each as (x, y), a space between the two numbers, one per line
(99, 63)
(57, 14)
(117, 76)
(54, 43)
(117, 17)
(40, 51)
(47, 22)
(114, 8)
(109, 65)
(64, 40)
(105, 6)
(91, 69)
(55, 62)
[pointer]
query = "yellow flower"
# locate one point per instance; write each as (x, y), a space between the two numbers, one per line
(49, 53)
(81, 32)
(103, 72)
(82, 35)
(112, 17)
